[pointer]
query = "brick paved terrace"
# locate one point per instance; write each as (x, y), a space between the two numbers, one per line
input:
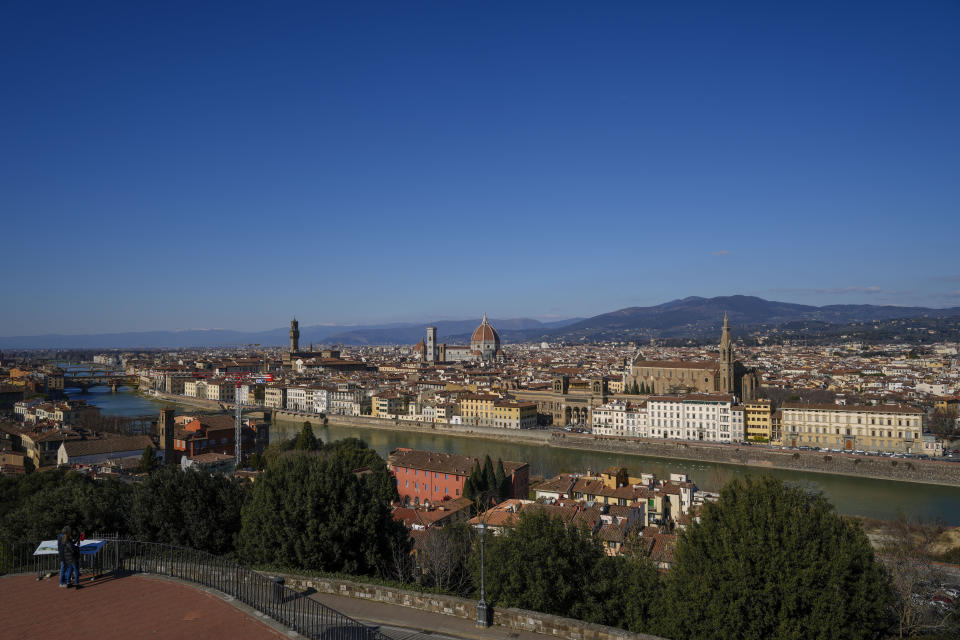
(133, 606)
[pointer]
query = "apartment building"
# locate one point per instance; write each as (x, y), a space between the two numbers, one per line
(758, 417)
(884, 428)
(706, 417)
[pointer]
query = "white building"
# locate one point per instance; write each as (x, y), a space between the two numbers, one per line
(619, 418)
(318, 398)
(297, 399)
(195, 389)
(706, 417)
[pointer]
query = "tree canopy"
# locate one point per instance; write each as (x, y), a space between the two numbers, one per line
(773, 561)
(189, 508)
(541, 564)
(320, 512)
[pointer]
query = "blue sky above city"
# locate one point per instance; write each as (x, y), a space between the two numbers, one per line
(185, 165)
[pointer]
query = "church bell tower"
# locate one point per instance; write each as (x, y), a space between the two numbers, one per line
(294, 336)
(726, 359)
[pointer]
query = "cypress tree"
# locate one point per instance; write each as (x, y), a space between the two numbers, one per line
(476, 477)
(498, 478)
(489, 479)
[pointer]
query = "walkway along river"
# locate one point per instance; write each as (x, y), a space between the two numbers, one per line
(872, 498)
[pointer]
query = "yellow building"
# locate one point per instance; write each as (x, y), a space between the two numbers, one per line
(758, 421)
(486, 410)
(477, 408)
(509, 414)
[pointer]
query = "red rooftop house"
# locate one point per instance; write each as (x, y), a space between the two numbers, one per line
(215, 434)
(428, 475)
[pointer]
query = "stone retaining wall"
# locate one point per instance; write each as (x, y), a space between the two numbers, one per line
(900, 469)
(529, 436)
(517, 619)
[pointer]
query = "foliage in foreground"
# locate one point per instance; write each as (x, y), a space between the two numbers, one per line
(545, 565)
(773, 561)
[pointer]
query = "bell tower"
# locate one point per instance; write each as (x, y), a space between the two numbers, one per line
(294, 336)
(726, 359)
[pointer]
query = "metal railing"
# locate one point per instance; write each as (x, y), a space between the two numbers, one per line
(295, 610)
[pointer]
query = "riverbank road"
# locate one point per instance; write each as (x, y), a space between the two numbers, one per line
(407, 623)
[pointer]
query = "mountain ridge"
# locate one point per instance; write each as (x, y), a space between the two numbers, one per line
(692, 316)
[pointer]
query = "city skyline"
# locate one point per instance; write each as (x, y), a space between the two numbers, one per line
(183, 167)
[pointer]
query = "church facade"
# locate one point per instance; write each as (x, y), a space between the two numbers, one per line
(724, 374)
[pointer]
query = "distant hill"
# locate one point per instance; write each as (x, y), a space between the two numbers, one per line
(691, 317)
(393, 333)
(453, 331)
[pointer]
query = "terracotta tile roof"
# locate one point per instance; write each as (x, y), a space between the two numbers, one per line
(883, 408)
(442, 462)
(107, 445)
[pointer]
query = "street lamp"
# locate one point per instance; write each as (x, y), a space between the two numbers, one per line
(483, 613)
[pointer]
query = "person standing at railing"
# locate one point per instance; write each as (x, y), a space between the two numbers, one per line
(68, 548)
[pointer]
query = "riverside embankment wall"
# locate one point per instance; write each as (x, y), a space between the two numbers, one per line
(517, 619)
(882, 468)
(900, 469)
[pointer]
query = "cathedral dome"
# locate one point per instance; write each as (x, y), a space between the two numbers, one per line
(485, 333)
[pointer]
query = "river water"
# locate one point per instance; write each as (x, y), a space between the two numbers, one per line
(883, 499)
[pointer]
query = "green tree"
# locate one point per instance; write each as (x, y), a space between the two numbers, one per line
(541, 564)
(188, 508)
(373, 469)
(313, 512)
(469, 491)
(148, 461)
(773, 561)
(489, 475)
(620, 592)
(504, 485)
(476, 477)
(306, 441)
(37, 506)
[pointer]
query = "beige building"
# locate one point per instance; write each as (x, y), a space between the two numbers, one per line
(567, 401)
(275, 396)
(884, 428)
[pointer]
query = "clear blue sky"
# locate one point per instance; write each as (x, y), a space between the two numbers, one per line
(184, 166)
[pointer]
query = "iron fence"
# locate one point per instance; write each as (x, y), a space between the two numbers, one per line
(269, 596)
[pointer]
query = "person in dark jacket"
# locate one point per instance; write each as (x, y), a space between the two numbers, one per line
(68, 548)
(64, 553)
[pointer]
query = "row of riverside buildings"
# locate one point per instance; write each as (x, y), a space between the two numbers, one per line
(892, 428)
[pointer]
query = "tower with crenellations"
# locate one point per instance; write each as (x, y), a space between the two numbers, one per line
(294, 336)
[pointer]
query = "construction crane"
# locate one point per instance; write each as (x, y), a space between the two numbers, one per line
(238, 428)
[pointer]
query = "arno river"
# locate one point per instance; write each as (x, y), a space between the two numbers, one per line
(872, 498)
